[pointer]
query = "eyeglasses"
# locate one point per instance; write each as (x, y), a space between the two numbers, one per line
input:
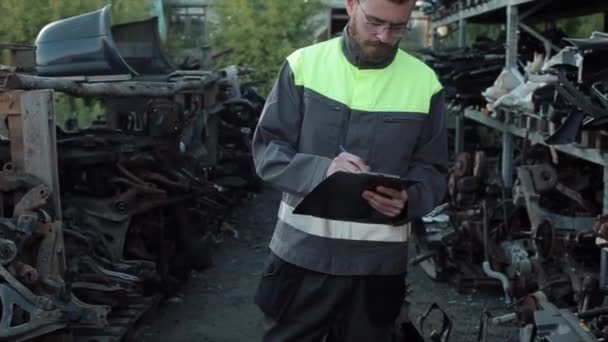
(377, 25)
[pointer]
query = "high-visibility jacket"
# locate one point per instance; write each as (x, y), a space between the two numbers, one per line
(391, 115)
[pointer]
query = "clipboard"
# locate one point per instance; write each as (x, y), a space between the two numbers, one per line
(338, 197)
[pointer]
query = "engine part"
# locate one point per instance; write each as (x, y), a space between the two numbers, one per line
(8, 251)
(519, 262)
(446, 324)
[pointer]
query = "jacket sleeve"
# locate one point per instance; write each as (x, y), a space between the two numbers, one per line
(275, 141)
(429, 164)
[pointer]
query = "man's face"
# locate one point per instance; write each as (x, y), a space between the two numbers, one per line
(377, 26)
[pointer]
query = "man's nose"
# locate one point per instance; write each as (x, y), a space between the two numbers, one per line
(384, 35)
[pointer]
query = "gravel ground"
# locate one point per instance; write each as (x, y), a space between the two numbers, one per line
(217, 305)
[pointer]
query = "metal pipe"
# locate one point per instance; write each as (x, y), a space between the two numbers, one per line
(501, 277)
(484, 209)
(504, 319)
(592, 313)
(486, 264)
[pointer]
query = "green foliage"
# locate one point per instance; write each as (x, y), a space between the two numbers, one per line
(575, 27)
(581, 27)
(261, 33)
(81, 109)
(23, 19)
(475, 31)
(181, 42)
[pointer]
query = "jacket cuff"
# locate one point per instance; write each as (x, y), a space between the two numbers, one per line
(320, 171)
(409, 211)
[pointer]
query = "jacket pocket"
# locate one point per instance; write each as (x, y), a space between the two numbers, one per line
(395, 139)
(278, 286)
(322, 124)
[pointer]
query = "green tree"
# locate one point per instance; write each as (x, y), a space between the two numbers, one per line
(23, 19)
(261, 33)
(581, 27)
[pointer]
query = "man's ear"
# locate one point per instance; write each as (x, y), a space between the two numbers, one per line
(350, 7)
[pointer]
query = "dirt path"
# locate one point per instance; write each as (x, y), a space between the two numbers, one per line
(217, 305)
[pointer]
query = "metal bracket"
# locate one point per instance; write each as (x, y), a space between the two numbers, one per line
(40, 321)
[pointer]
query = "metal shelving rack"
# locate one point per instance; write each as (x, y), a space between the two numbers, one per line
(535, 137)
(514, 20)
(486, 7)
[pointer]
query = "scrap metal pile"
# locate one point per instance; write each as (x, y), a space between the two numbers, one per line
(536, 243)
(569, 89)
(444, 7)
(464, 72)
(469, 73)
(145, 191)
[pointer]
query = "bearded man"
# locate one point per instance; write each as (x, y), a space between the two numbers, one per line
(328, 280)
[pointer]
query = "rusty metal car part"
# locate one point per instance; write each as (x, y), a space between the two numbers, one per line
(552, 323)
(446, 324)
(486, 266)
(33, 322)
(163, 118)
(32, 200)
(430, 235)
(464, 165)
(8, 251)
(600, 226)
(145, 190)
(51, 255)
(526, 190)
(551, 246)
(41, 313)
(484, 318)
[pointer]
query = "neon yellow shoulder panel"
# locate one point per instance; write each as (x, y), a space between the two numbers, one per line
(406, 85)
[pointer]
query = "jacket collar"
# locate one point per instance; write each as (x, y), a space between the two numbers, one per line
(353, 54)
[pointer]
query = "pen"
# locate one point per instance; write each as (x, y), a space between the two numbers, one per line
(343, 149)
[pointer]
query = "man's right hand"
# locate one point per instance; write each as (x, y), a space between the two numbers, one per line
(348, 163)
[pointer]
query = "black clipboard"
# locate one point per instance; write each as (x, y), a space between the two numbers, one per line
(338, 197)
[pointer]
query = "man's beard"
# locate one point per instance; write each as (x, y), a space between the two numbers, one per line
(372, 51)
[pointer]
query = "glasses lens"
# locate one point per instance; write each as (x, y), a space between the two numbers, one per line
(377, 27)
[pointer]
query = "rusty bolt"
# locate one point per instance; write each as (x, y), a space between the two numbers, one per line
(26, 273)
(602, 230)
(121, 206)
(8, 251)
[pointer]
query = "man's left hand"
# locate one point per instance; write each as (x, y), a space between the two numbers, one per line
(387, 201)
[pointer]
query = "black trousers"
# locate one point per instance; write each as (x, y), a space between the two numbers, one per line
(302, 305)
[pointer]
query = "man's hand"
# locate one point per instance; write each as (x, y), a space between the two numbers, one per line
(387, 201)
(348, 163)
